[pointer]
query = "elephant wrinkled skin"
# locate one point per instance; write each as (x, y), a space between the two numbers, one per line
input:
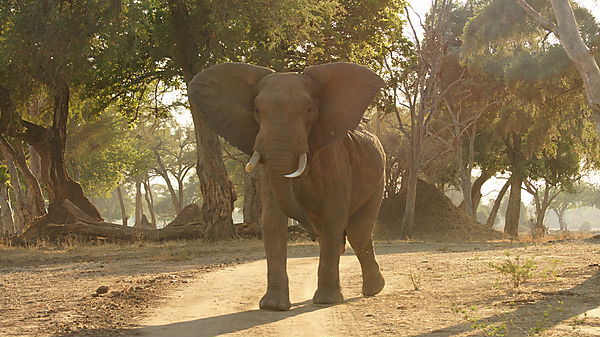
(320, 165)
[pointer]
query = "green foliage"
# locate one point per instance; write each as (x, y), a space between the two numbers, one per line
(50, 42)
(539, 127)
(487, 329)
(4, 175)
(516, 268)
(104, 151)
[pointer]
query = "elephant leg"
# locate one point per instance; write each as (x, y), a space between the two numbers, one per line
(328, 290)
(274, 232)
(360, 236)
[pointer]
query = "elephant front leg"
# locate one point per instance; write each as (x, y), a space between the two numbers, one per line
(274, 231)
(329, 290)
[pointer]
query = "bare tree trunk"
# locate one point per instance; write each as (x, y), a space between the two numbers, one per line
(411, 197)
(34, 198)
(122, 205)
(252, 204)
(35, 161)
(21, 214)
(180, 191)
(149, 202)
(5, 210)
(139, 206)
(494, 212)
(217, 190)
(163, 173)
(466, 187)
(560, 214)
(570, 39)
(476, 190)
(513, 212)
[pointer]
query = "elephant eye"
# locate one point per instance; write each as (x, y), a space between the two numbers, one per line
(256, 113)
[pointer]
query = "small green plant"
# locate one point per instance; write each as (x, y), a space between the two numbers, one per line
(516, 268)
(487, 329)
(552, 271)
(580, 319)
(415, 278)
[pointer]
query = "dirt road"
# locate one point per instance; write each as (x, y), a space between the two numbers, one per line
(208, 289)
(431, 290)
(226, 303)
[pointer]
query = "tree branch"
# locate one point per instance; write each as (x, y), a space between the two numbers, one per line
(542, 21)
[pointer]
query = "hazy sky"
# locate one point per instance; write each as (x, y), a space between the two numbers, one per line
(421, 6)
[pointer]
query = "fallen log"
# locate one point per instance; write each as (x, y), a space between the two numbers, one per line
(87, 229)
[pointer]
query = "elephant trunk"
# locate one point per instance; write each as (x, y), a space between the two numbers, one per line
(278, 164)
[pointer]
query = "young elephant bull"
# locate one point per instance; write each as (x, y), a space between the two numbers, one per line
(320, 166)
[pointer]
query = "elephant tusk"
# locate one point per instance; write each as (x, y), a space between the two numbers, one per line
(301, 167)
(252, 162)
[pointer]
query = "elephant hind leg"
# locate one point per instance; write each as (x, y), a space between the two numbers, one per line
(360, 231)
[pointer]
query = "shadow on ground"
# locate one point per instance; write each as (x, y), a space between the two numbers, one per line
(230, 323)
(534, 318)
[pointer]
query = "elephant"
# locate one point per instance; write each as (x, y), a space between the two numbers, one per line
(320, 164)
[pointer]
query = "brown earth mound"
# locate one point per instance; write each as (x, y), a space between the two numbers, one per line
(436, 218)
(144, 224)
(190, 213)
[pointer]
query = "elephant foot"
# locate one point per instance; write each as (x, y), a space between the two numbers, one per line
(373, 284)
(328, 296)
(275, 300)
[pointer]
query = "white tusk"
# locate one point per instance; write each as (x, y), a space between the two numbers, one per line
(252, 162)
(301, 167)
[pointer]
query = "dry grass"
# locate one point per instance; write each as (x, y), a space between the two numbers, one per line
(563, 235)
(42, 253)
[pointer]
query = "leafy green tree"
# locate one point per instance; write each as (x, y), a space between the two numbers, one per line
(47, 47)
(581, 195)
(538, 122)
(101, 151)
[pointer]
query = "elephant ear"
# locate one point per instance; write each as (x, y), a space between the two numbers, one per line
(224, 95)
(346, 90)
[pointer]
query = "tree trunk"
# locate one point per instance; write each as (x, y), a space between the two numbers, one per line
(139, 206)
(539, 228)
(50, 144)
(252, 204)
(411, 197)
(513, 212)
(476, 190)
(494, 212)
(180, 191)
(6, 213)
(149, 202)
(466, 187)
(578, 52)
(35, 161)
(34, 198)
(560, 214)
(162, 170)
(217, 190)
(20, 212)
(122, 205)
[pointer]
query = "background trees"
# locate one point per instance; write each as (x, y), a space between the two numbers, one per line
(93, 106)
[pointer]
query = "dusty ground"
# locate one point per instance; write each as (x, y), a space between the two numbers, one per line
(177, 290)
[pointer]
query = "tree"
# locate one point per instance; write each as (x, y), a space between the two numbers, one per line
(47, 46)
(581, 195)
(541, 97)
(566, 30)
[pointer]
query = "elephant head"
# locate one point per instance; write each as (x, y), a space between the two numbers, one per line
(283, 118)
